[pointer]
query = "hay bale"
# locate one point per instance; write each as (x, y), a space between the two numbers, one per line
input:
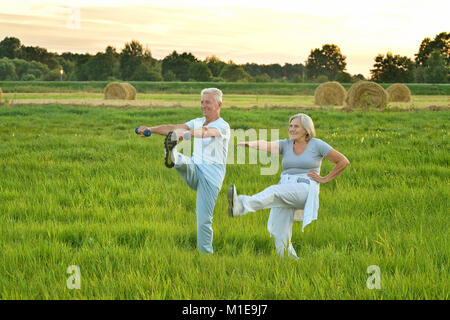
(131, 91)
(330, 93)
(1, 94)
(120, 91)
(399, 93)
(366, 94)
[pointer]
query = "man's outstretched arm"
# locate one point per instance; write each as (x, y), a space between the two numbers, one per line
(162, 129)
(201, 133)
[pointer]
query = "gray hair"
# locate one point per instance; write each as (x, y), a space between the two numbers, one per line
(307, 124)
(217, 93)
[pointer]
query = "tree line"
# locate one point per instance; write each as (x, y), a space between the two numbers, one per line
(135, 63)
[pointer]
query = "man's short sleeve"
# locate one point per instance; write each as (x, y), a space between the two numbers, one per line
(223, 127)
(190, 124)
(323, 147)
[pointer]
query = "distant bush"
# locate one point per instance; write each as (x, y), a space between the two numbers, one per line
(28, 77)
(343, 77)
(7, 70)
(218, 79)
(321, 79)
(262, 78)
(53, 75)
(19, 69)
(169, 76)
(297, 79)
(234, 73)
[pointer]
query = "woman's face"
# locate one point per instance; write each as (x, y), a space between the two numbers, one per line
(296, 130)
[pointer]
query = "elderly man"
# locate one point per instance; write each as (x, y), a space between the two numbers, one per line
(205, 171)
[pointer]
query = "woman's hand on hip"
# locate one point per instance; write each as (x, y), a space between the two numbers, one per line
(316, 177)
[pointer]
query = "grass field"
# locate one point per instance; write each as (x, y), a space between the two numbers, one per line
(78, 187)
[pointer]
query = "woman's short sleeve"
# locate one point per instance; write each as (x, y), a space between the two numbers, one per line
(323, 147)
(283, 143)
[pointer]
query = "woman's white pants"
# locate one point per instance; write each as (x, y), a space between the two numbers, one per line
(283, 199)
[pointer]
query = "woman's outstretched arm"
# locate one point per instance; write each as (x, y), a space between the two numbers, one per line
(272, 147)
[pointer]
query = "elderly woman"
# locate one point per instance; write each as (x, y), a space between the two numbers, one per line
(298, 188)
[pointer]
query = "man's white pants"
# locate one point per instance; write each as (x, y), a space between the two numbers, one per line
(283, 199)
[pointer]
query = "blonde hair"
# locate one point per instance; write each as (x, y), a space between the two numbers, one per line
(307, 124)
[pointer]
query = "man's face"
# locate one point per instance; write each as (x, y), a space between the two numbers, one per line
(209, 105)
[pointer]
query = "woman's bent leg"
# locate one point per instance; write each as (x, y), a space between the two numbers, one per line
(280, 227)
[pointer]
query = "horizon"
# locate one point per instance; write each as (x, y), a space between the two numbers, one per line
(254, 32)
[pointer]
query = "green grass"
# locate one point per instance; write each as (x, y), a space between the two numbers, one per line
(78, 187)
(271, 88)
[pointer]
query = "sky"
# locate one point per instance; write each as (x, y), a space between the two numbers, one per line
(262, 31)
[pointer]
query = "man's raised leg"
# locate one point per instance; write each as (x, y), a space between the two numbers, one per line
(186, 169)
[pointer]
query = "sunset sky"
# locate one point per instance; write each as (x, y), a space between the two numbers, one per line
(260, 31)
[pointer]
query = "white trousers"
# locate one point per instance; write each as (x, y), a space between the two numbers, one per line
(283, 199)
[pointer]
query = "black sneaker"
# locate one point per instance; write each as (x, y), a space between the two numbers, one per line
(169, 144)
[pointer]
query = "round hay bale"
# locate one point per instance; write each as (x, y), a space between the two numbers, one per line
(366, 94)
(115, 90)
(120, 91)
(399, 93)
(330, 93)
(131, 91)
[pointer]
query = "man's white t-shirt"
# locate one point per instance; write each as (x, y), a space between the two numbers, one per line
(210, 154)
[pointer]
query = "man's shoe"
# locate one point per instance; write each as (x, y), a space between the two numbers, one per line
(169, 144)
(232, 201)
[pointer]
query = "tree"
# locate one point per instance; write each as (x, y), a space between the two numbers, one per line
(435, 70)
(440, 42)
(146, 73)
(391, 69)
(179, 64)
(7, 70)
(131, 58)
(37, 69)
(99, 67)
(233, 72)
(215, 65)
(199, 71)
(292, 70)
(39, 54)
(10, 48)
(327, 61)
(274, 71)
(81, 71)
